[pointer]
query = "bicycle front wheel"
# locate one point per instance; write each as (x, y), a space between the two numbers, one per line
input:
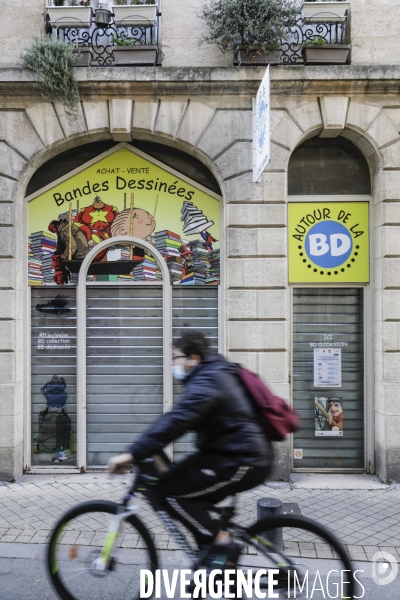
(79, 541)
(311, 562)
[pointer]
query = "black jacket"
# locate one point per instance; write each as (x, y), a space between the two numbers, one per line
(216, 406)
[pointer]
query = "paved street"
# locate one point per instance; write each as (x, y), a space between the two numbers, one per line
(364, 516)
(362, 511)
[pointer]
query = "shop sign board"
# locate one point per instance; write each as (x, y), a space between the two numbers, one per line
(328, 242)
(124, 192)
(261, 128)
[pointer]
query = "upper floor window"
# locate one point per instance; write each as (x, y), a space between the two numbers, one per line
(328, 167)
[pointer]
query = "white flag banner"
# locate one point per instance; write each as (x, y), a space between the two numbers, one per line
(261, 128)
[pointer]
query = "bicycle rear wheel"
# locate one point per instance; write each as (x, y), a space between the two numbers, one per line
(76, 543)
(313, 563)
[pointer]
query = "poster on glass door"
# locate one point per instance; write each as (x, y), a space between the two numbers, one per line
(328, 416)
(327, 367)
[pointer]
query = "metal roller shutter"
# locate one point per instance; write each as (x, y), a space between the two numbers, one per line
(195, 308)
(124, 366)
(329, 318)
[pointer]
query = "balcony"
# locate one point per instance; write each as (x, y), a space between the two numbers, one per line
(323, 27)
(129, 36)
(96, 41)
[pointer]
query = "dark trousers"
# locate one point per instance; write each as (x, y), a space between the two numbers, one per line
(204, 477)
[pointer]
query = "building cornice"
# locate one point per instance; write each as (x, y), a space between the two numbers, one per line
(150, 81)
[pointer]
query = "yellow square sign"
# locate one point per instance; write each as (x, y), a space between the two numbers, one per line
(328, 242)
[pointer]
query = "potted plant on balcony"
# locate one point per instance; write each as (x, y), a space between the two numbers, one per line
(85, 55)
(325, 11)
(135, 12)
(254, 29)
(70, 13)
(52, 61)
(317, 51)
(133, 52)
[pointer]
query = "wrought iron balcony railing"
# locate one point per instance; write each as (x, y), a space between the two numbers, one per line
(100, 39)
(303, 32)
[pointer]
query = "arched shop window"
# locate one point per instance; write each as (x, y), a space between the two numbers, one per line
(327, 167)
(89, 196)
(328, 231)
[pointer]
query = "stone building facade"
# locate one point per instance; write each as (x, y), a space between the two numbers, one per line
(199, 103)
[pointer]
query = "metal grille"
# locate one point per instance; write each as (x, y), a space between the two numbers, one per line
(332, 319)
(53, 352)
(124, 366)
(195, 308)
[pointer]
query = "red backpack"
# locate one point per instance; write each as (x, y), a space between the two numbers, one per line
(277, 418)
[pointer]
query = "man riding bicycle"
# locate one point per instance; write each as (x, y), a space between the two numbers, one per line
(234, 453)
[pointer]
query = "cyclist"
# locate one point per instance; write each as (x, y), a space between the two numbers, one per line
(233, 454)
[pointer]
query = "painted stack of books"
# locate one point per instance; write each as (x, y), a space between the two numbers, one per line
(48, 272)
(175, 269)
(35, 274)
(213, 273)
(194, 219)
(201, 256)
(147, 270)
(168, 243)
(42, 245)
(125, 255)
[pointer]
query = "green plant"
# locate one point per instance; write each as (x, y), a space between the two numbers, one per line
(316, 41)
(52, 61)
(260, 25)
(121, 41)
(58, 2)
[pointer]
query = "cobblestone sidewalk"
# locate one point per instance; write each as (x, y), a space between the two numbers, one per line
(366, 520)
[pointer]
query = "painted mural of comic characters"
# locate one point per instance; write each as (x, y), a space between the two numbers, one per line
(56, 306)
(187, 258)
(208, 240)
(95, 221)
(70, 240)
(138, 223)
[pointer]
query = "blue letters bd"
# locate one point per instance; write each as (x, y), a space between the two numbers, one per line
(328, 244)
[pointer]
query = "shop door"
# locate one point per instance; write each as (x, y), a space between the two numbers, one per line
(124, 366)
(328, 378)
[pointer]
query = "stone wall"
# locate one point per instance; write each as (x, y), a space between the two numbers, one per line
(374, 32)
(207, 112)
(374, 27)
(21, 19)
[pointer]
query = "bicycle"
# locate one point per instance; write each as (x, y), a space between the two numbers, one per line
(97, 548)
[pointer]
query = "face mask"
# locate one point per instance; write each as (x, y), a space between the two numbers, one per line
(178, 372)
